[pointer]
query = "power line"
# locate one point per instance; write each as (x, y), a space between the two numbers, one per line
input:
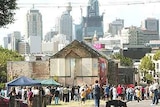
(76, 4)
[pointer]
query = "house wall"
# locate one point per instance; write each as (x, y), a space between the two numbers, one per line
(74, 70)
(40, 70)
(68, 71)
(18, 68)
(37, 69)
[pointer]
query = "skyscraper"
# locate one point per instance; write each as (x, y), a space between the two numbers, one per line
(151, 24)
(93, 22)
(15, 39)
(65, 23)
(150, 27)
(116, 26)
(34, 23)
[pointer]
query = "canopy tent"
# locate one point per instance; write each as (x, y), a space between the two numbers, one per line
(23, 81)
(49, 82)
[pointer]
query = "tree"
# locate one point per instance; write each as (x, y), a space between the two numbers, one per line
(7, 55)
(7, 13)
(124, 61)
(156, 56)
(146, 65)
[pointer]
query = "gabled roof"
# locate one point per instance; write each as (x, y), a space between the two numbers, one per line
(77, 49)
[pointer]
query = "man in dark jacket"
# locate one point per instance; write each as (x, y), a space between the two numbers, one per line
(96, 94)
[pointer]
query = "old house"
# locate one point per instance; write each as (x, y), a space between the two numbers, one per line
(76, 64)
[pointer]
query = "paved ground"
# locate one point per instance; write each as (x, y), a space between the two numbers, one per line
(144, 103)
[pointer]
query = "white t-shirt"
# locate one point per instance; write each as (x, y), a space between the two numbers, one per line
(155, 86)
(47, 91)
(35, 92)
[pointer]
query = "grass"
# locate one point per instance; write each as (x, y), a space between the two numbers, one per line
(88, 103)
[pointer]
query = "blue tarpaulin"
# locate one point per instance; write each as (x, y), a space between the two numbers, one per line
(23, 81)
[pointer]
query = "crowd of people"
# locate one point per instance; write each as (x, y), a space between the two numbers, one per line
(86, 92)
(54, 93)
(130, 93)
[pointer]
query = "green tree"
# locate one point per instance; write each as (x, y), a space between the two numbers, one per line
(124, 61)
(7, 55)
(149, 78)
(146, 65)
(156, 56)
(7, 13)
(117, 56)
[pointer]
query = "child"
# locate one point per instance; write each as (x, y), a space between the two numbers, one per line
(83, 96)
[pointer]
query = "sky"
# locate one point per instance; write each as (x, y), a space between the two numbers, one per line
(128, 10)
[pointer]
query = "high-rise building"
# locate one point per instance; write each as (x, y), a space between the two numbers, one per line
(64, 23)
(35, 44)
(93, 22)
(15, 39)
(23, 47)
(150, 27)
(78, 32)
(49, 35)
(116, 26)
(34, 23)
(150, 24)
(6, 41)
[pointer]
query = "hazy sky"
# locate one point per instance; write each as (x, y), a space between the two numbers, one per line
(132, 14)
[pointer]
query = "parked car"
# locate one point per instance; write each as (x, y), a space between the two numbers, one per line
(4, 102)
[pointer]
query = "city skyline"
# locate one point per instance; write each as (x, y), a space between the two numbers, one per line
(132, 14)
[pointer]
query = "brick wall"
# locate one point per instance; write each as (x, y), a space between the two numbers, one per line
(36, 70)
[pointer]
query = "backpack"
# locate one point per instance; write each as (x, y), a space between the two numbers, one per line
(97, 90)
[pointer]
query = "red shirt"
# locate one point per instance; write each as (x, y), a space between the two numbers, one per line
(119, 90)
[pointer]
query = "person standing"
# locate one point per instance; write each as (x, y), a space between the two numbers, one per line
(155, 92)
(107, 91)
(119, 91)
(83, 96)
(138, 94)
(56, 97)
(30, 98)
(114, 92)
(97, 94)
(65, 94)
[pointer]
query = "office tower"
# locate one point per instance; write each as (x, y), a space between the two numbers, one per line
(23, 47)
(78, 32)
(64, 23)
(151, 24)
(116, 26)
(150, 27)
(15, 39)
(6, 41)
(34, 23)
(93, 21)
(49, 35)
